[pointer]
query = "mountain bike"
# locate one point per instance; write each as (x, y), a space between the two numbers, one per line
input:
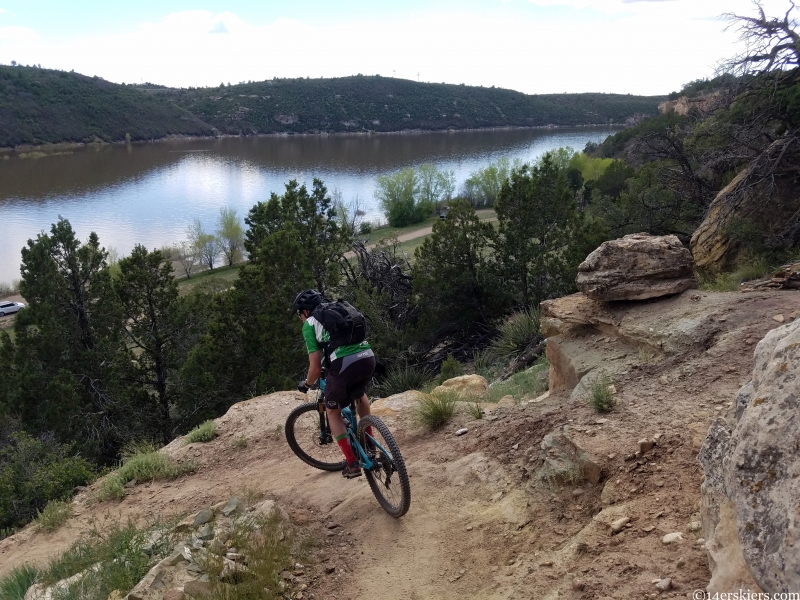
(309, 437)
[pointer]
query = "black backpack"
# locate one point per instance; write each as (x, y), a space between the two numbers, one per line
(343, 322)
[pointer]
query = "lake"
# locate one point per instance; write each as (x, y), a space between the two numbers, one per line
(149, 193)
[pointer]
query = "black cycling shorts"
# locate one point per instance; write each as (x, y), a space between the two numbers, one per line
(348, 378)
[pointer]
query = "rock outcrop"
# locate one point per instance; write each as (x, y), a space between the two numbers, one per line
(637, 267)
(701, 105)
(754, 198)
(753, 470)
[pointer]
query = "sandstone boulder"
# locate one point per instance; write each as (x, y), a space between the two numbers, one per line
(397, 404)
(637, 267)
(465, 385)
(753, 472)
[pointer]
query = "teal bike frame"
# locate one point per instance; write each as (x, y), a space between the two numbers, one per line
(350, 417)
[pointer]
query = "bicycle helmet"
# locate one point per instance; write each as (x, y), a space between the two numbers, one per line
(307, 300)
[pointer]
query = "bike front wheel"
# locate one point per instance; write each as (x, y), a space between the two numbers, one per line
(313, 443)
(387, 477)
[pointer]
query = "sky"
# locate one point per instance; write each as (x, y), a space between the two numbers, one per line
(643, 47)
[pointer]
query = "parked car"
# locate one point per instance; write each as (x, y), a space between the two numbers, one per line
(7, 308)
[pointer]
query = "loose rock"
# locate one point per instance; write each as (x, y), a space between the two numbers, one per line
(619, 524)
(672, 538)
(664, 585)
(203, 517)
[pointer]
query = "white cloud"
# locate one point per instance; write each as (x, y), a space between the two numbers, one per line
(646, 47)
(18, 34)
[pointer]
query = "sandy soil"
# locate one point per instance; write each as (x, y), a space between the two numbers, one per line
(481, 523)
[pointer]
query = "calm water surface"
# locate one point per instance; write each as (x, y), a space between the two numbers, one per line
(149, 193)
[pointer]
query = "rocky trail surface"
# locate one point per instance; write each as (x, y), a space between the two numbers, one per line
(494, 514)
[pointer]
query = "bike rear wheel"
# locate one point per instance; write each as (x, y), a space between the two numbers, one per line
(388, 477)
(311, 444)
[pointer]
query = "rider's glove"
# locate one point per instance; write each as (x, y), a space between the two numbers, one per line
(302, 387)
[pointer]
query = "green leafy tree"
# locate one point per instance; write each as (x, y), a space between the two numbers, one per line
(397, 194)
(647, 205)
(230, 235)
(155, 323)
(435, 186)
(253, 344)
(454, 281)
(483, 186)
(614, 179)
(205, 244)
(68, 356)
(543, 237)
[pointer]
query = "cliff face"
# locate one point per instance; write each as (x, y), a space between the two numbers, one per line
(762, 197)
(702, 105)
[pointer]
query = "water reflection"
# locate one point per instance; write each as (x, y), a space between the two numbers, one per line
(149, 193)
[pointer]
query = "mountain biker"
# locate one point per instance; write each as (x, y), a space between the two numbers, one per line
(350, 369)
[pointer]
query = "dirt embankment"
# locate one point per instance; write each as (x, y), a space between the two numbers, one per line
(482, 524)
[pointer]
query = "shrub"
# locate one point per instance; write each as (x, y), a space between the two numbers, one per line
(600, 396)
(32, 473)
(486, 364)
(204, 432)
(434, 410)
(54, 515)
(450, 368)
(404, 378)
(240, 442)
(14, 585)
(516, 334)
(365, 228)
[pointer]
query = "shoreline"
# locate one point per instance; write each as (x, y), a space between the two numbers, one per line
(54, 149)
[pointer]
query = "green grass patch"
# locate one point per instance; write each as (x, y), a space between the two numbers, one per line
(404, 378)
(600, 397)
(271, 546)
(203, 433)
(215, 280)
(54, 515)
(475, 410)
(729, 282)
(144, 463)
(528, 383)
(110, 559)
(14, 585)
(434, 410)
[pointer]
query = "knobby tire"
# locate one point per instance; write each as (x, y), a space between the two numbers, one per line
(302, 433)
(388, 478)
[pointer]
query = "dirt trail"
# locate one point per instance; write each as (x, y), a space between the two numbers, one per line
(481, 524)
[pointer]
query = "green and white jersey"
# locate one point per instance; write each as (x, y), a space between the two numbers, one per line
(314, 335)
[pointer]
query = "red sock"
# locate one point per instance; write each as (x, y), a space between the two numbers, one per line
(368, 431)
(347, 449)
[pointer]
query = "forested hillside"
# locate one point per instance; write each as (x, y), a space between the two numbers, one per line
(40, 106)
(46, 106)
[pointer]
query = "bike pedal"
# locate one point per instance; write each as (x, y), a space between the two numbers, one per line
(351, 471)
